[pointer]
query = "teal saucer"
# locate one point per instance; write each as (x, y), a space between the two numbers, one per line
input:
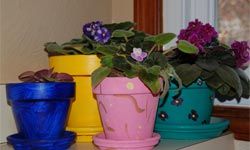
(192, 132)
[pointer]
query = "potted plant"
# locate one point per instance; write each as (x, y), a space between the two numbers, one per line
(128, 83)
(40, 107)
(78, 59)
(214, 71)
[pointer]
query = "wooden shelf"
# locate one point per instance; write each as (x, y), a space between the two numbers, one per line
(239, 120)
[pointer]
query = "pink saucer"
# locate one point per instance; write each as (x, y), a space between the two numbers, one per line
(147, 144)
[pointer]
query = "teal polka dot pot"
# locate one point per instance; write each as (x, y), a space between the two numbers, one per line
(190, 106)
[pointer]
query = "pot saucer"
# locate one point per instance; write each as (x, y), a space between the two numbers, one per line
(146, 144)
(20, 143)
(191, 132)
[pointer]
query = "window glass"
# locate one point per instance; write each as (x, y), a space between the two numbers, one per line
(234, 20)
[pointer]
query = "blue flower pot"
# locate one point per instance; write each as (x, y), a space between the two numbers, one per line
(40, 109)
(193, 105)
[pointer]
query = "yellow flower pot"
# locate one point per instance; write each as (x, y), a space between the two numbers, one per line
(84, 116)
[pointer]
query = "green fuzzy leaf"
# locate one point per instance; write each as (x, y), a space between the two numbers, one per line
(206, 74)
(78, 49)
(161, 39)
(107, 61)
(155, 70)
(164, 38)
(133, 72)
(87, 51)
(224, 90)
(188, 73)
(121, 26)
(187, 47)
(150, 80)
(245, 82)
(120, 63)
(246, 88)
(224, 56)
(73, 42)
(105, 50)
(122, 33)
(207, 64)
(150, 38)
(99, 74)
(53, 47)
(230, 76)
(242, 75)
(214, 81)
(157, 58)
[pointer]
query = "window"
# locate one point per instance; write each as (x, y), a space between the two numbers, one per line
(230, 17)
(233, 20)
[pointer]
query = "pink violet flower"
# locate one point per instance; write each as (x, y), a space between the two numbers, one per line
(138, 54)
(198, 34)
(241, 51)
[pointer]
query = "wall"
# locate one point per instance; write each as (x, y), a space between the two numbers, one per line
(25, 25)
(122, 10)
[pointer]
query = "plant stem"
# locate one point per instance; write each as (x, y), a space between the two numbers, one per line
(151, 50)
(126, 39)
(169, 50)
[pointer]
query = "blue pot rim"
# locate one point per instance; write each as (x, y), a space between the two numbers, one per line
(61, 143)
(40, 91)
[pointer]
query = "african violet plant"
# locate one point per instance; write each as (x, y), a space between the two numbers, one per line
(219, 65)
(45, 75)
(124, 52)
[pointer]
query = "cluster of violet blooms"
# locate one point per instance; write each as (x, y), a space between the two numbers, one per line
(97, 32)
(201, 35)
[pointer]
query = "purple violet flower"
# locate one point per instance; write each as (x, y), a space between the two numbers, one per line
(198, 34)
(241, 52)
(97, 32)
(90, 29)
(138, 54)
(102, 35)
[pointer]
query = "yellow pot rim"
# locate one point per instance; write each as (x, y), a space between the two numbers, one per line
(75, 64)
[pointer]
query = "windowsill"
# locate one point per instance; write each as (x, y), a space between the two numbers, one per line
(224, 142)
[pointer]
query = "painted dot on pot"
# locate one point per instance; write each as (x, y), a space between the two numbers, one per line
(193, 115)
(139, 127)
(177, 101)
(163, 115)
(130, 86)
(199, 82)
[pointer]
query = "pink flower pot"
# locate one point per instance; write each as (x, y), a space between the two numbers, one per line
(127, 108)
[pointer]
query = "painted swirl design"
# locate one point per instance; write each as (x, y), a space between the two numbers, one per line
(133, 100)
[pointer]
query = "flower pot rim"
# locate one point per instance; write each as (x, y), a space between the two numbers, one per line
(28, 91)
(193, 85)
(78, 55)
(75, 65)
(121, 85)
(38, 83)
